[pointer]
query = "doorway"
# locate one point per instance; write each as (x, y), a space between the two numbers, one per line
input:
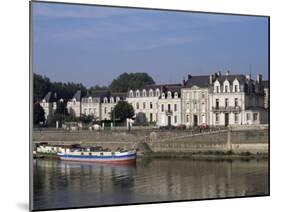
(226, 119)
(195, 120)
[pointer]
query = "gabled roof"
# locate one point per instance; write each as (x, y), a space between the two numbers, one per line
(240, 77)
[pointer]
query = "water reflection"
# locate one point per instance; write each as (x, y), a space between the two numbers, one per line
(60, 184)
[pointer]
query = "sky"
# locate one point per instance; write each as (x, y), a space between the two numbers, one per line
(93, 44)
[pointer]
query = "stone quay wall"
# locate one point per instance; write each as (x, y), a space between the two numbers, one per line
(253, 140)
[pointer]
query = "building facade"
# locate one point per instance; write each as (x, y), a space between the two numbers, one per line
(215, 100)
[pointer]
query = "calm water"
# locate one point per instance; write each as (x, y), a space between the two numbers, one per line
(59, 184)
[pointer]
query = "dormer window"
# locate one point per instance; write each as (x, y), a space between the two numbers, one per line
(150, 92)
(226, 86)
(169, 94)
(235, 86)
(137, 93)
(217, 87)
(157, 92)
(117, 99)
(131, 94)
(111, 100)
(176, 95)
(144, 93)
(163, 95)
(105, 100)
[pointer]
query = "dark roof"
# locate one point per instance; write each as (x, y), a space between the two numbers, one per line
(240, 77)
(106, 93)
(77, 95)
(264, 83)
(200, 81)
(50, 97)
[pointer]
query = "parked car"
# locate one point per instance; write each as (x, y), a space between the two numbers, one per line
(204, 126)
(181, 127)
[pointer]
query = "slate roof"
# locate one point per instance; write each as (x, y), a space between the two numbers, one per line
(200, 81)
(264, 83)
(50, 97)
(240, 77)
(77, 95)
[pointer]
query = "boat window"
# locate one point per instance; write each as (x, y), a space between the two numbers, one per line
(82, 153)
(101, 153)
(112, 153)
(90, 153)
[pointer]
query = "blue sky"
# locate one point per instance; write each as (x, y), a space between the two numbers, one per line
(93, 45)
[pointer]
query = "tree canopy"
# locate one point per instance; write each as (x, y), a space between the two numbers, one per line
(130, 81)
(122, 111)
(38, 115)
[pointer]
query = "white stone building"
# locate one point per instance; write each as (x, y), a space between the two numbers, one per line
(215, 100)
(195, 101)
(236, 100)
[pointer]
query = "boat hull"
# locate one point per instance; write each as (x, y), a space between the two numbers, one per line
(124, 159)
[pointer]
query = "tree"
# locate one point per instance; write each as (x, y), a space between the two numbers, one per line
(122, 111)
(130, 81)
(38, 114)
(61, 108)
(41, 86)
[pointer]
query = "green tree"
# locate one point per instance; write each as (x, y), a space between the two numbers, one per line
(61, 108)
(130, 81)
(38, 114)
(141, 119)
(122, 111)
(41, 86)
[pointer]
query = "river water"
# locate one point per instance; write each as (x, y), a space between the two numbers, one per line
(59, 184)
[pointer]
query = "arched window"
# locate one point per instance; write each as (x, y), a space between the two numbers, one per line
(169, 94)
(90, 99)
(235, 87)
(105, 100)
(157, 92)
(111, 100)
(131, 94)
(176, 95)
(226, 86)
(163, 95)
(217, 87)
(144, 93)
(137, 93)
(150, 92)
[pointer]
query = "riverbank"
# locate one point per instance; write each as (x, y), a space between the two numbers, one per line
(210, 155)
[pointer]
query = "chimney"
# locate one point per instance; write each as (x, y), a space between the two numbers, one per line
(259, 78)
(183, 81)
(248, 76)
(227, 73)
(219, 73)
(189, 76)
(211, 79)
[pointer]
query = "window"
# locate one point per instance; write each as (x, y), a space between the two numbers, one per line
(202, 95)
(226, 102)
(236, 117)
(236, 102)
(176, 95)
(217, 89)
(105, 100)
(248, 116)
(151, 105)
(187, 118)
(175, 107)
(255, 116)
(162, 107)
(169, 94)
(175, 119)
(151, 116)
(226, 88)
(217, 103)
(144, 93)
(163, 95)
(217, 117)
(150, 92)
(143, 105)
(187, 105)
(131, 94)
(235, 88)
(169, 107)
(157, 92)
(138, 93)
(105, 110)
(111, 100)
(138, 106)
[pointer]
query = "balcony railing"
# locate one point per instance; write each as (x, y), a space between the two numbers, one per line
(169, 112)
(227, 109)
